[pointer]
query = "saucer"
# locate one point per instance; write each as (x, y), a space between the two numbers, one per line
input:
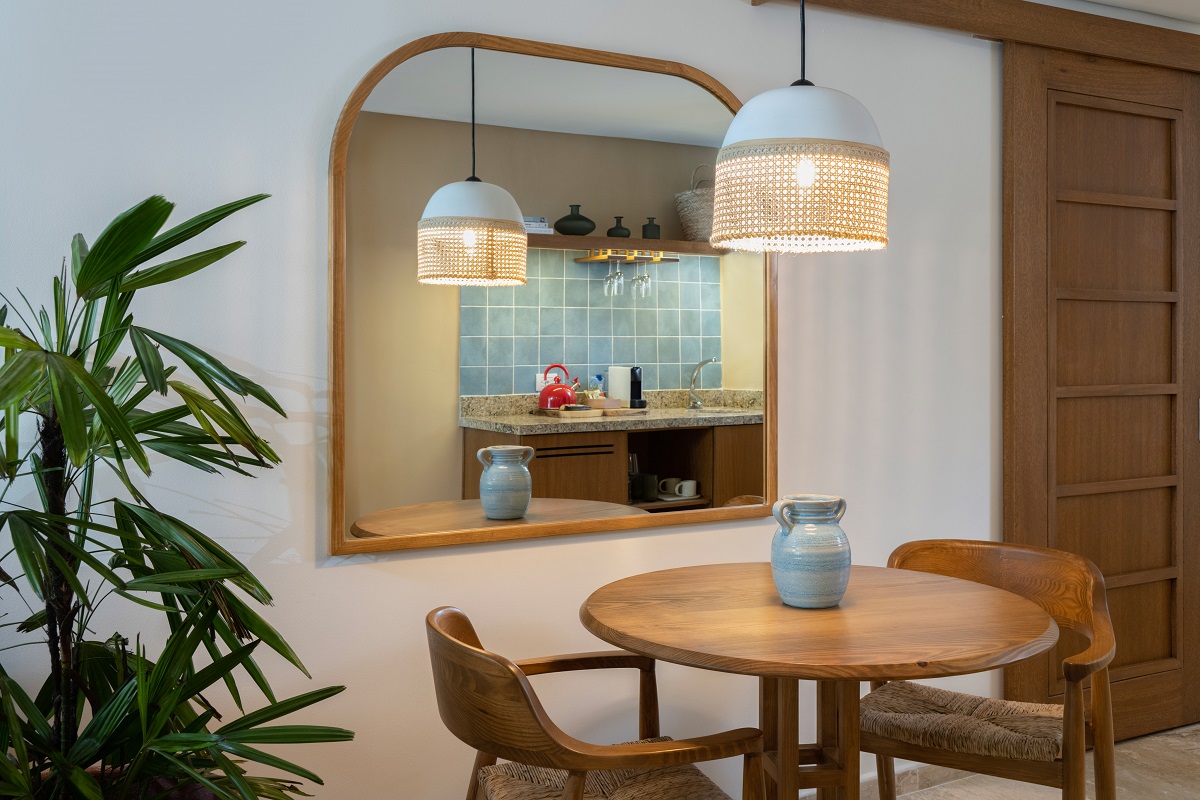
(671, 498)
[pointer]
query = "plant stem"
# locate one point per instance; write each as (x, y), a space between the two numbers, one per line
(61, 603)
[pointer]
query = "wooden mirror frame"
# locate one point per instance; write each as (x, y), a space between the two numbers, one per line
(340, 540)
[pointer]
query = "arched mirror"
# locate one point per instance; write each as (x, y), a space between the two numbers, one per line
(424, 376)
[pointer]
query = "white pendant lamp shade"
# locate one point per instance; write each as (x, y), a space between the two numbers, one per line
(471, 234)
(802, 170)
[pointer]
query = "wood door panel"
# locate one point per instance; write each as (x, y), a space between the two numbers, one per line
(1102, 343)
(1141, 649)
(1119, 532)
(1087, 138)
(1113, 247)
(1142, 617)
(1102, 359)
(1113, 438)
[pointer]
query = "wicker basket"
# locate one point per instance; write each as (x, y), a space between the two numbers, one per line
(696, 209)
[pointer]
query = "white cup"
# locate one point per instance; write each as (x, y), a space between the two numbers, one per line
(669, 485)
(687, 489)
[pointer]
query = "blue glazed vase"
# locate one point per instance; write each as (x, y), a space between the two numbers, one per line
(505, 486)
(810, 554)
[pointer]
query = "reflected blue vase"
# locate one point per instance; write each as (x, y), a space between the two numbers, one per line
(810, 554)
(505, 487)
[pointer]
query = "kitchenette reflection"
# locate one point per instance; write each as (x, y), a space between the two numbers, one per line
(435, 373)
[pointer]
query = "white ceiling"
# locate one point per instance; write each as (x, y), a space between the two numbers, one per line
(518, 91)
(1187, 10)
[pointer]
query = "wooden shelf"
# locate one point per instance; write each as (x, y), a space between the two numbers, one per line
(551, 241)
(663, 505)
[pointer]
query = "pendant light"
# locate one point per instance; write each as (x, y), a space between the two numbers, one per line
(471, 233)
(802, 170)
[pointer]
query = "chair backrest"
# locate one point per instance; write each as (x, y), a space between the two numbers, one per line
(1067, 586)
(486, 701)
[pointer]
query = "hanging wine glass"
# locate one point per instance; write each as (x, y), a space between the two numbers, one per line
(609, 281)
(618, 281)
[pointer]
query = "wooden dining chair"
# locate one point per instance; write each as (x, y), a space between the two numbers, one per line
(486, 701)
(1029, 742)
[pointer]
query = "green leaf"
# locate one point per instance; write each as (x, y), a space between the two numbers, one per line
(194, 226)
(46, 524)
(38, 620)
(174, 270)
(86, 785)
(12, 434)
(112, 418)
(17, 340)
(280, 709)
(262, 629)
(198, 361)
(60, 314)
(79, 252)
(120, 247)
(234, 774)
(150, 359)
(68, 574)
(29, 552)
(104, 723)
(18, 376)
(291, 734)
(69, 408)
(34, 717)
(254, 754)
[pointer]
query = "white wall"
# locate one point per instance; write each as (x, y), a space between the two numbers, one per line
(889, 363)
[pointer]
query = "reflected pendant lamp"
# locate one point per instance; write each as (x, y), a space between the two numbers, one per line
(471, 233)
(802, 170)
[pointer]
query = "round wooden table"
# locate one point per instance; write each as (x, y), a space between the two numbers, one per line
(892, 624)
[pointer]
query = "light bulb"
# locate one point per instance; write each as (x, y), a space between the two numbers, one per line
(469, 239)
(806, 173)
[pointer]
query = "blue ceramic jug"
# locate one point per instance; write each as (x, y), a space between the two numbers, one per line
(505, 486)
(810, 554)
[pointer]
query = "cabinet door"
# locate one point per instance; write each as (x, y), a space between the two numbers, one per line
(737, 462)
(580, 466)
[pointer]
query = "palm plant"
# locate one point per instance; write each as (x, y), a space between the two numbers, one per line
(111, 722)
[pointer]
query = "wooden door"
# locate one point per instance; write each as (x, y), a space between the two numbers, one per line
(1101, 359)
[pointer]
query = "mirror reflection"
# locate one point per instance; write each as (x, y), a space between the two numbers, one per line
(662, 351)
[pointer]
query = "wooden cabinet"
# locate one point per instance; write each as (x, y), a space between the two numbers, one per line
(726, 461)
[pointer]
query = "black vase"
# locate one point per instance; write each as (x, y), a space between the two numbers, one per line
(619, 231)
(574, 224)
(651, 230)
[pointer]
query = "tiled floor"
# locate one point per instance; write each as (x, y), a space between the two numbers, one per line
(1165, 765)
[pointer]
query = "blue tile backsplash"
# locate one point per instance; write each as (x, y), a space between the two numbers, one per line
(508, 334)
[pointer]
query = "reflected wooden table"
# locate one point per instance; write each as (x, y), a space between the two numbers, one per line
(892, 624)
(463, 521)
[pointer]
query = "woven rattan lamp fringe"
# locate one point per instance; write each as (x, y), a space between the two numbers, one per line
(471, 251)
(801, 196)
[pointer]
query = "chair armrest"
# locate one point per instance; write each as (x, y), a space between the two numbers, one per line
(1096, 657)
(1104, 643)
(608, 659)
(640, 755)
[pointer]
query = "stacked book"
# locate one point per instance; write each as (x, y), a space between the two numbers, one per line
(537, 225)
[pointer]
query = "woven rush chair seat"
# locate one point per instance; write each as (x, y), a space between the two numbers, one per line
(963, 723)
(512, 781)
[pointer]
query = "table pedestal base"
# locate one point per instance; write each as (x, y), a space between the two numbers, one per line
(830, 765)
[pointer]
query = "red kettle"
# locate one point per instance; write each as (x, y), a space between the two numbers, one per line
(558, 393)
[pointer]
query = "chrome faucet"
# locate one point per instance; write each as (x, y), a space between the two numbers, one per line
(693, 398)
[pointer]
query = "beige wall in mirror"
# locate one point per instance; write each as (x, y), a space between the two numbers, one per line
(433, 372)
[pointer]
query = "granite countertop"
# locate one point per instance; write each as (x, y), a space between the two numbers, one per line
(655, 418)
(511, 413)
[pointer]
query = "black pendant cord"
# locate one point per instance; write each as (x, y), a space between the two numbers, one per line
(804, 81)
(473, 178)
